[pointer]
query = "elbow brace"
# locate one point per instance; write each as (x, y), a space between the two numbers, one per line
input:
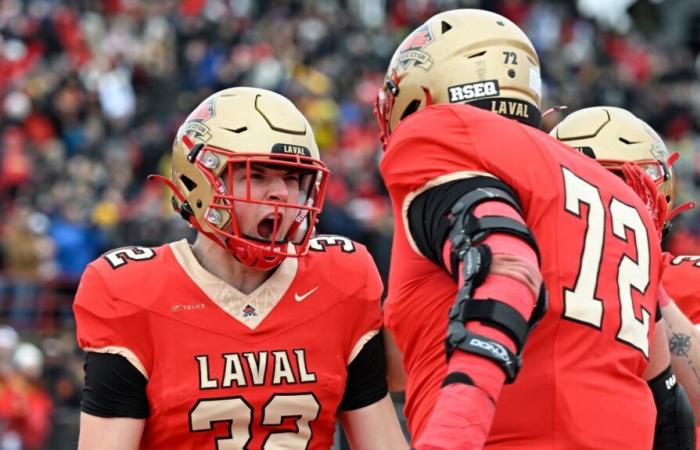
(675, 423)
(467, 234)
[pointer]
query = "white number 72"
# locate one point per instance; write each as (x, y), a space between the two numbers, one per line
(580, 303)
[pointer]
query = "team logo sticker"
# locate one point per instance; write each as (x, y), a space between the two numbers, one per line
(194, 125)
(412, 48)
(470, 91)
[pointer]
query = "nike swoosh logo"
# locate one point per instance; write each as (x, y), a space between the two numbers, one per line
(300, 298)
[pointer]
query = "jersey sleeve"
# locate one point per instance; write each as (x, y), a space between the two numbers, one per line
(430, 149)
(366, 382)
(106, 324)
(364, 308)
(681, 279)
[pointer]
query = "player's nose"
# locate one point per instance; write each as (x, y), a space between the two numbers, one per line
(277, 189)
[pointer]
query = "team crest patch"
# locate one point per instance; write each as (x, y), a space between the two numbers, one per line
(194, 125)
(412, 48)
(249, 311)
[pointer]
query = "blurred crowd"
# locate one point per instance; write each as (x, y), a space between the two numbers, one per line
(92, 92)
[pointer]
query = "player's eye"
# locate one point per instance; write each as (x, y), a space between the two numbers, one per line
(257, 176)
(292, 178)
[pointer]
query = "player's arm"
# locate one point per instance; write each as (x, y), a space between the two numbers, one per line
(114, 404)
(109, 434)
(684, 347)
(395, 373)
(366, 411)
(674, 417)
(473, 228)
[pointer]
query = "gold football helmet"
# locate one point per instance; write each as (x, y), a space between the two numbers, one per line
(615, 136)
(241, 128)
(462, 56)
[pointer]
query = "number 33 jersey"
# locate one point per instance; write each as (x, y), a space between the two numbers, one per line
(227, 370)
(581, 381)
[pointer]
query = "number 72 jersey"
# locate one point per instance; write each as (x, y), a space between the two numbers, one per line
(226, 370)
(601, 261)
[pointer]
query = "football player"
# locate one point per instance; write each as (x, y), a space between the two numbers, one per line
(488, 208)
(618, 139)
(245, 339)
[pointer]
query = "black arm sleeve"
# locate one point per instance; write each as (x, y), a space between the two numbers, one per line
(675, 423)
(366, 383)
(429, 213)
(113, 387)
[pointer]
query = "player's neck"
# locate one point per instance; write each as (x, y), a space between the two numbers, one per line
(219, 262)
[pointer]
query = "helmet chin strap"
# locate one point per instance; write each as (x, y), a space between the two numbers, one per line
(252, 257)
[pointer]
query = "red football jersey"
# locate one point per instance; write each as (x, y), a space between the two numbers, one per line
(228, 370)
(681, 279)
(580, 384)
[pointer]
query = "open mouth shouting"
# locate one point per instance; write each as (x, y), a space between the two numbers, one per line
(266, 227)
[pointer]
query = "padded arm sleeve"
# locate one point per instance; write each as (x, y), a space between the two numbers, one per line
(492, 313)
(429, 214)
(675, 423)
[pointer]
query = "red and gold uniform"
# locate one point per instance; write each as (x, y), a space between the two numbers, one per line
(681, 279)
(600, 260)
(228, 370)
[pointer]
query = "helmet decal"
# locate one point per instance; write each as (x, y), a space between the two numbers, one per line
(411, 50)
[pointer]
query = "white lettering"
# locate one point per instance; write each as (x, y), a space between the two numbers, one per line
(257, 367)
(490, 88)
(670, 382)
(282, 368)
(251, 368)
(473, 90)
(304, 376)
(205, 382)
(456, 94)
(233, 371)
(497, 350)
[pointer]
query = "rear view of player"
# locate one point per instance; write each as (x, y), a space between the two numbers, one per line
(244, 339)
(487, 207)
(620, 141)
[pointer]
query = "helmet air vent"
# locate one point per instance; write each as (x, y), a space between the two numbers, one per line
(627, 142)
(236, 130)
(410, 109)
(189, 184)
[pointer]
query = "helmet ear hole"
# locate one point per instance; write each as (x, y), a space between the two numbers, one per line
(410, 109)
(446, 27)
(189, 184)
